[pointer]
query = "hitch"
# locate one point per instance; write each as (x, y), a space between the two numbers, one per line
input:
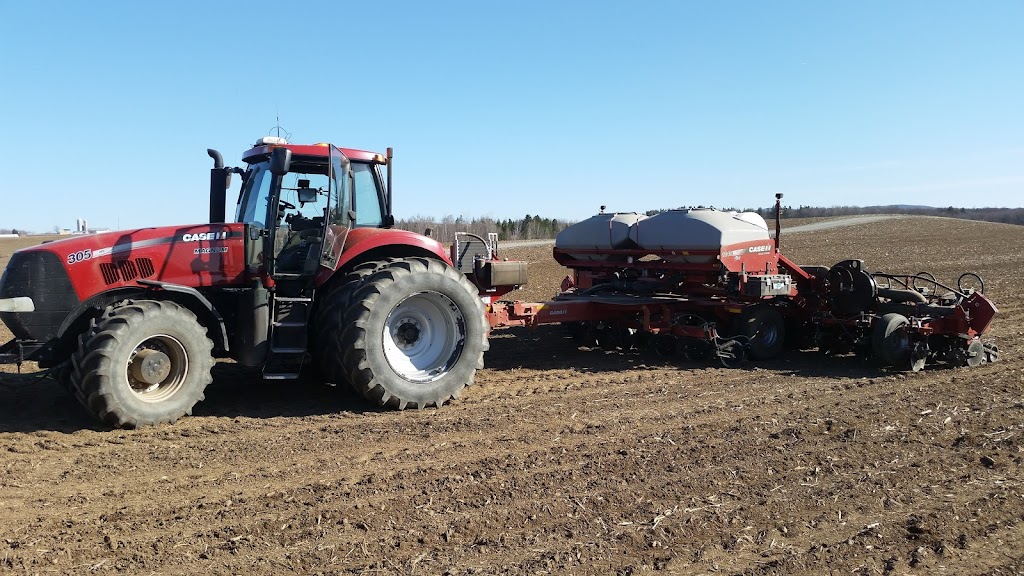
(19, 351)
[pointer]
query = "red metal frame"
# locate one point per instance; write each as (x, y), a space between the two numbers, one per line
(712, 289)
(359, 241)
(651, 314)
(315, 150)
(732, 258)
(684, 286)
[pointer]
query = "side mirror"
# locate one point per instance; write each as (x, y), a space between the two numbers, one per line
(280, 161)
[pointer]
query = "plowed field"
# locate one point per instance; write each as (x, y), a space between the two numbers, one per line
(560, 460)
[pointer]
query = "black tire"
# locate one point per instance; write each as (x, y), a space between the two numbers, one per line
(890, 341)
(339, 295)
(109, 378)
(765, 328)
(329, 317)
(436, 335)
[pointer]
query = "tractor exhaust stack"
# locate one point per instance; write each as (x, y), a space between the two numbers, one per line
(219, 181)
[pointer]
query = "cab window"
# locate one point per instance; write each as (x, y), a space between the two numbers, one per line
(252, 200)
(368, 198)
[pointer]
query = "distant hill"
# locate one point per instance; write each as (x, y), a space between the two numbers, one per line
(1001, 215)
(907, 207)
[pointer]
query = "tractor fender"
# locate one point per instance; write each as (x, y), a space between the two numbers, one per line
(98, 302)
(77, 320)
(215, 322)
(367, 244)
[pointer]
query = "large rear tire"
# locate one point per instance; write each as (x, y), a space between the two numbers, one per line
(330, 318)
(765, 328)
(142, 363)
(415, 334)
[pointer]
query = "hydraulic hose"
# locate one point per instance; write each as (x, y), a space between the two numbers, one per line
(902, 295)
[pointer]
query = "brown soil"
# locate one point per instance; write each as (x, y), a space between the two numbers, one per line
(560, 460)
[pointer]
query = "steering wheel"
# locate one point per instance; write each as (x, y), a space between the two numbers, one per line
(287, 205)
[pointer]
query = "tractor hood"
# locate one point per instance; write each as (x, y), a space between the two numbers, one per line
(194, 255)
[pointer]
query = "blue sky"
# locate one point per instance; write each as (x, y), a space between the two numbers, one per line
(504, 109)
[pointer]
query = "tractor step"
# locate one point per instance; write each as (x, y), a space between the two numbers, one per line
(288, 349)
(288, 337)
(289, 324)
(285, 364)
(280, 375)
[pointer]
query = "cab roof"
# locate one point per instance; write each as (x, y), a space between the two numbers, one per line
(260, 151)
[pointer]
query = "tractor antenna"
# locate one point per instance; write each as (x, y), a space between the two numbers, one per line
(277, 128)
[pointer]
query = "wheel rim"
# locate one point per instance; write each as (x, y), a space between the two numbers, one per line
(767, 334)
(157, 368)
(899, 342)
(424, 336)
(975, 354)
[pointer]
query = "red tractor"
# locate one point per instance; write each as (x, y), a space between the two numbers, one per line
(310, 271)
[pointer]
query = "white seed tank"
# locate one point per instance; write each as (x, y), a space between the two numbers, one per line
(602, 231)
(698, 229)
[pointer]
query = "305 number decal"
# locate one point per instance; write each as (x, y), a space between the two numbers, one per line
(80, 256)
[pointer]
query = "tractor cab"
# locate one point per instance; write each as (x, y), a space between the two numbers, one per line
(299, 204)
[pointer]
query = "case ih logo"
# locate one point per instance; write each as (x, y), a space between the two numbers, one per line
(202, 236)
(759, 249)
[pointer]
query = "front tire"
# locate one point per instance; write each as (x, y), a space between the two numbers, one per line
(415, 334)
(142, 363)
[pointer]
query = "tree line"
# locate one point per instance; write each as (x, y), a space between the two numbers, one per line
(529, 227)
(1001, 215)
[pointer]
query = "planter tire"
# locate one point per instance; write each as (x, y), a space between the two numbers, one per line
(766, 329)
(890, 341)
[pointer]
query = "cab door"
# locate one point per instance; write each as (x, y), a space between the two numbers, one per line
(341, 213)
(252, 210)
(250, 346)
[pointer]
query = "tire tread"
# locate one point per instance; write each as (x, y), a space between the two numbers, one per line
(93, 376)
